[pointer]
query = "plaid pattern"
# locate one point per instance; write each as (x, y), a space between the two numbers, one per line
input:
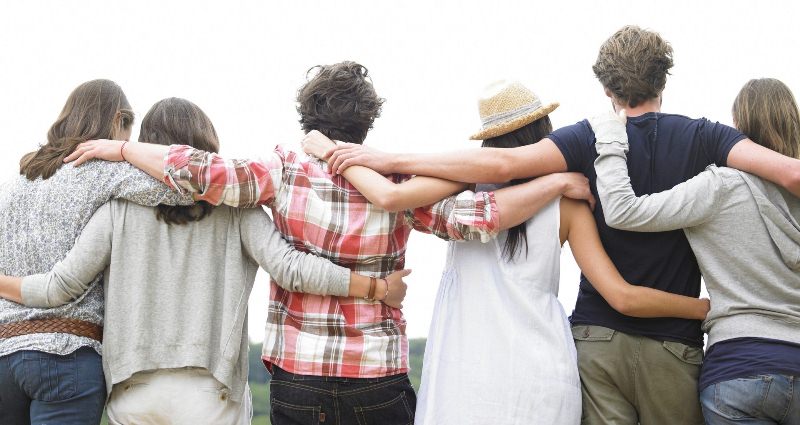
(325, 215)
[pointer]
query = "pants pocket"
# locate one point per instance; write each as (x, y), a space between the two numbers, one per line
(50, 377)
(397, 411)
(741, 398)
(285, 413)
(684, 353)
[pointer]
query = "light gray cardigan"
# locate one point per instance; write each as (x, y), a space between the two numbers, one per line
(176, 295)
(745, 233)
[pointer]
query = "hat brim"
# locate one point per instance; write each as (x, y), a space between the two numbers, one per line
(508, 126)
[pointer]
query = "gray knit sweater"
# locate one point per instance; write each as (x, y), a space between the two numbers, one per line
(39, 222)
(745, 233)
(176, 295)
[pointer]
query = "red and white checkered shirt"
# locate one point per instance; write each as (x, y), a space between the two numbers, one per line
(325, 215)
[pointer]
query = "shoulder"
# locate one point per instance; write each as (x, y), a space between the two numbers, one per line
(580, 132)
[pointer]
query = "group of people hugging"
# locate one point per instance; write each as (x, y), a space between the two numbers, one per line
(126, 267)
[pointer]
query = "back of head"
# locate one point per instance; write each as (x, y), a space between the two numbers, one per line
(633, 65)
(175, 121)
(766, 111)
(339, 101)
(96, 109)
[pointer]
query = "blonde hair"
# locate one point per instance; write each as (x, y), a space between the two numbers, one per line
(766, 111)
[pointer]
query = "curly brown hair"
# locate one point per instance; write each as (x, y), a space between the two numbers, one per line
(633, 65)
(339, 102)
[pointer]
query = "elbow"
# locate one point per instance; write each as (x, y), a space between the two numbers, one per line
(792, 180)
(390, 200)
(623, 302)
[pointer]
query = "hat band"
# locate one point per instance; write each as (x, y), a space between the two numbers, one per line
(512, 114)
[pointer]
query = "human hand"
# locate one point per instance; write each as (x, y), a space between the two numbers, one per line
(576, 186)
(348, 154)
(395, 291)
(109, 150)
(317, 144)
(610, 127)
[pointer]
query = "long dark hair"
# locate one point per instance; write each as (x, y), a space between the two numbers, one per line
(96, 109)
(529, 134)
(176, 121)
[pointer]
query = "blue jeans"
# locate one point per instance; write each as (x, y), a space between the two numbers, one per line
(303, 399)
(39, 388)
(756, 400)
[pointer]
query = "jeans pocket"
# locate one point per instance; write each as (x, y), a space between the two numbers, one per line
(741, 398)
(684, 353)
(50, 377)
(285, 412)
(397, 411)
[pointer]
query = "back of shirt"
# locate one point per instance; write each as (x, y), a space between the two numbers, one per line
(665, 150)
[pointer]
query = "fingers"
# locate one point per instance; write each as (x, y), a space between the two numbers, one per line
(338, 159)
(592, 201)
(78, 152)
(83, 158)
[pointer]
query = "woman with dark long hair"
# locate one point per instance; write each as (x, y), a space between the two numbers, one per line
(50, 369)
(745, 233)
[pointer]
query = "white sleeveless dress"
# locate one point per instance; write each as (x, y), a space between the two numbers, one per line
(500, 350)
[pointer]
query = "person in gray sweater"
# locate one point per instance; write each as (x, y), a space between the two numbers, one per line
(42, 212)
(745, 233)
(175, 333)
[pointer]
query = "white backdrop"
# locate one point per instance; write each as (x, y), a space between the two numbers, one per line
(242, 62)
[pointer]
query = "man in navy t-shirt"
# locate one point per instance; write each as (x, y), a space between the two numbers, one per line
(633, 370)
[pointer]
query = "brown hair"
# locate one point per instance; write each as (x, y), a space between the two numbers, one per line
(529, 134)
(766, 111)
(633, 65)
(339, 102)
(175, 121)
(96, 109)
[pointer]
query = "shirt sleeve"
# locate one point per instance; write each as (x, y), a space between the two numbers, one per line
(128, 182)
(216, 180)
(686, 205)
(291, 269)
(71, 277)
(466, 216)
(718, 140)
(576, 145)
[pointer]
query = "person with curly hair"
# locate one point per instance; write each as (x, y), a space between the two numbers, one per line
(632, 370)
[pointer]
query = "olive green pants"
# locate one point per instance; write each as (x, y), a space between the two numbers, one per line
(629, 379)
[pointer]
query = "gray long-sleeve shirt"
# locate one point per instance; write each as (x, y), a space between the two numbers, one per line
(176, 295)
(745, 233)
(39, 222)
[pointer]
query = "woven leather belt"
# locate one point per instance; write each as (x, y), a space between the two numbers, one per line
(58, 325)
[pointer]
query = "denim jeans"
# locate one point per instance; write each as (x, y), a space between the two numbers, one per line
(756, 400)
(39, 388)
(303, 399)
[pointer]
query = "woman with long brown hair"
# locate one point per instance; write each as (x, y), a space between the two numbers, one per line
(175, 329)
(745, 233)
(50, 369)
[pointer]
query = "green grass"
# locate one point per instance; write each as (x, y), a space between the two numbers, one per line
(259, 385)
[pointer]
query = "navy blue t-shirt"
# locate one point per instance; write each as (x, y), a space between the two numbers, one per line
(665, 150)
(743, 357)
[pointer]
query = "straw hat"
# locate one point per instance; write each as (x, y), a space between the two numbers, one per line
(506, 106)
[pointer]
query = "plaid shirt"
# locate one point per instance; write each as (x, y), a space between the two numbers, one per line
(325, 215)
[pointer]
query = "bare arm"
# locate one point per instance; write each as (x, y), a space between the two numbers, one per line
(579, 228)
(516, 204)
(11, 288)
(482, 165)
(756, 159)
(144, 156)
(412, 193)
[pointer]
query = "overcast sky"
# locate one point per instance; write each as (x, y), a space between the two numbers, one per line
(242, 62)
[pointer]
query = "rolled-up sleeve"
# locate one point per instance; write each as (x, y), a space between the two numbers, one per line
(216, 180)
(466, 216)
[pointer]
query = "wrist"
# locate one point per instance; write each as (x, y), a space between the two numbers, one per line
(382, 289)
